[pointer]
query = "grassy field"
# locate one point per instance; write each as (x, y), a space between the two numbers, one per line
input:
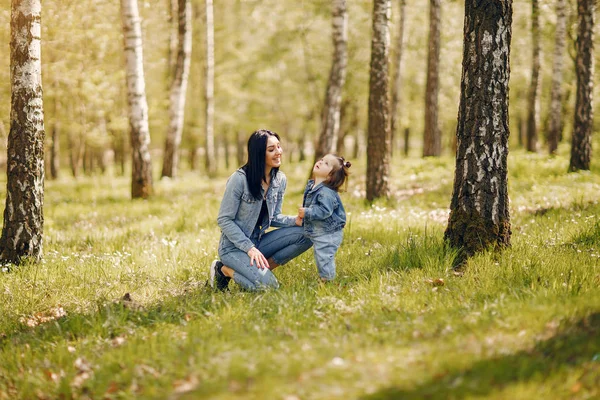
(118, 308)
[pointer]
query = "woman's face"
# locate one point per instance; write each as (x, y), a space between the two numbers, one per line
(273, 153)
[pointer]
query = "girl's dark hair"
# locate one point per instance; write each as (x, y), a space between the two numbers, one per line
(339, 173)
(255, 166)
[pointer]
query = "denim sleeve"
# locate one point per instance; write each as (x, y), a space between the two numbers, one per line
(279, 219)
(228, 210)
(321, 208)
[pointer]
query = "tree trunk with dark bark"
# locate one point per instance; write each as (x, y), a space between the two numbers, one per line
(581, 147)
(378, 139)
(397, 76)
(55, 145)
(22, 232)
(533, 108)
(330, 116)
(479, 210)
(432, 142)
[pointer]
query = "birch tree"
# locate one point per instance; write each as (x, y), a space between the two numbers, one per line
(178, 88)
(141, 167)
(432, 143)
(556, 123)
(533, 108)
(330, 116)
(378, 139)
(479, 212)
(581, 146)
(211, 162)
(22, 232)
(397, 76)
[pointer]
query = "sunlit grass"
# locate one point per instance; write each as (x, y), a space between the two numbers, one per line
(396, 323)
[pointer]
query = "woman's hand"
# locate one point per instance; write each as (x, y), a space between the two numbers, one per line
(257, 258)
(301, 212)
(298, 221)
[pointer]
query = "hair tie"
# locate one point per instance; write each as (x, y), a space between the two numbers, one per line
(347, 164)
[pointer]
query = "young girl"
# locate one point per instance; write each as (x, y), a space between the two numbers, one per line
(323, 212)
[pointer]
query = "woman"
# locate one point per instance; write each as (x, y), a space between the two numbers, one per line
(251, 204)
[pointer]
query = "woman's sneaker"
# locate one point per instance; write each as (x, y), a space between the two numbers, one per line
(217, 280)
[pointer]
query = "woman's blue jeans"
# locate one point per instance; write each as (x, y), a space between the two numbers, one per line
(282, 244)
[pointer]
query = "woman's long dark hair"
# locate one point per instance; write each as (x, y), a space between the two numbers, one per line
(255, 166)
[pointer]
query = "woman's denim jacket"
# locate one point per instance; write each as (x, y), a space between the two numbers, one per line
(239, 211)
(324, 212)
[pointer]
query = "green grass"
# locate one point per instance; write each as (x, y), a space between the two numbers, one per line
(522, 324)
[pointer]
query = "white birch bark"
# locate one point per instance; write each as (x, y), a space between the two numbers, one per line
(141, 171)
(178, 89)
(211, 163)
(330, 116)
(22, 232)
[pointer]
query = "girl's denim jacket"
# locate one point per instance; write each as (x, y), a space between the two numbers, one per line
(324, 212)
(239, 211)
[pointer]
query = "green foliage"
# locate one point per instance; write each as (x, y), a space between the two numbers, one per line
(272, 64)
(118, 308)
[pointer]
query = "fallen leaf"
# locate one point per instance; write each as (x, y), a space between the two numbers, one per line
(185, 385)
(112, 388)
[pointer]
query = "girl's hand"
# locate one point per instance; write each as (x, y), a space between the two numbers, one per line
(257, 258)
(301, 212)
(298, 221)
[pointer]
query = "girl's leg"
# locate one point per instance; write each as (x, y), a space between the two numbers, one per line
(247, 276)
(325, 248)
(281, 245)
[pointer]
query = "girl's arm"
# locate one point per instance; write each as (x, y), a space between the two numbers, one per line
(322, 208)
(228, 210)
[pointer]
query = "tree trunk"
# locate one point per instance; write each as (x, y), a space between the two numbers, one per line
(581, 147)
(556, 124)
(330, 116)
(178, 89)
(479, 212)
(141, 166)
(397, 77)
(432, 142)
(211, 162)
(240, 146)
(55, 146)
(172, 51)
(378, 141)
(533, 115)
(22, 233)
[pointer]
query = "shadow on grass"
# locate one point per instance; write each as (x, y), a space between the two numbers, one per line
(575, 345)
(112, 318)
(419, 251)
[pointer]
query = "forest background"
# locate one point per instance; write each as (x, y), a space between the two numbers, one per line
(272, 60)
(117, 307)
